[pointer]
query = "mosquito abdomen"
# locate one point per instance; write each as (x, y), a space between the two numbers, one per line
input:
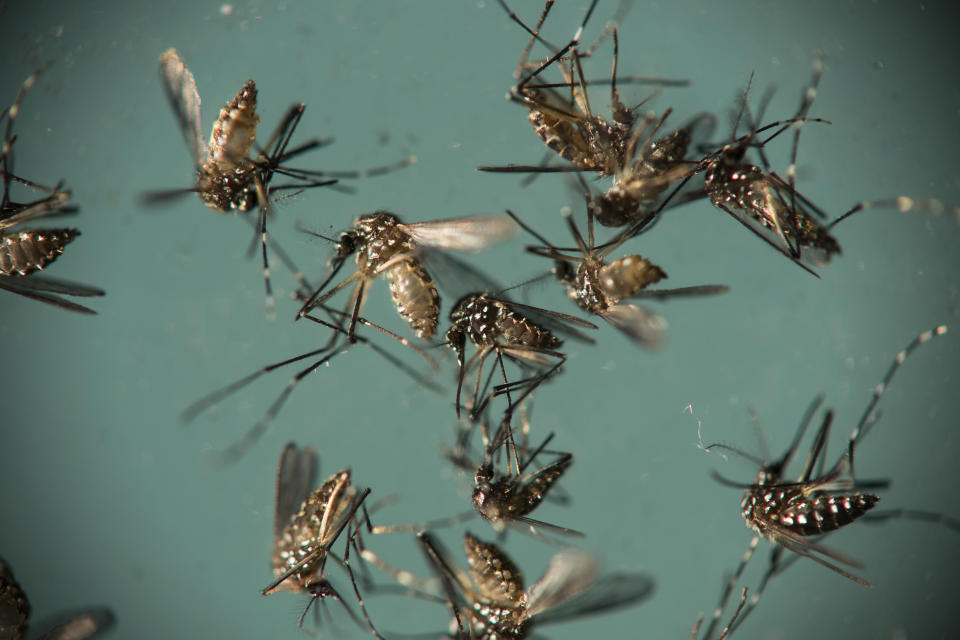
(30, 250)
(415, 295)
(628, 276)
(826, 513)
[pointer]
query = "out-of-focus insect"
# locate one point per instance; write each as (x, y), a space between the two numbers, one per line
(820, 501)
(599, 288)
(489, 602)
(26, 250)
(307, 523)
(386, 246)
(73, 625)
(228, 178)
(567, 125)
(508, 329)
(324, 355)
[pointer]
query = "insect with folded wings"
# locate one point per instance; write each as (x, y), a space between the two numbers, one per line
(307, 522)
(820, 501)
(386, 246)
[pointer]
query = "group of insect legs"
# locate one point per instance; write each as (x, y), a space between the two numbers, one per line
(652, 170)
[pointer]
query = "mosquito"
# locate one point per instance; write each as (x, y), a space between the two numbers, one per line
(26, 250)
(307, 523)
(489, 602)
(386, 246)
(507, 498)
(568, 126)
(820, 501)
(648, 167)
(80, 624)
(228, 178)
(599, 288)
(508, 329)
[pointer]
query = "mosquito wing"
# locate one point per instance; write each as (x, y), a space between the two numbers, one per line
(181, 89)
(612, 591)
(570, 573)
(471, 233)
(296, 474)
(644, 327)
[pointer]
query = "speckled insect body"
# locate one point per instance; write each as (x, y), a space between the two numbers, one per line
(599, 287)
(25, 250)
(505, 328)
(307, 523)
(567, 125)
(791, 514)
(386, 246)
(14, 606)
(489, 602)
(648, 168)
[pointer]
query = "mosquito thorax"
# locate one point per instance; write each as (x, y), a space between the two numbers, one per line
(230, 191)
(381, 238)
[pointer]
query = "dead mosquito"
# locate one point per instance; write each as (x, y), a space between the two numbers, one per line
(228, 178)
(567, 124)
(489, 602)
(307, 523)
(600, 288)
(519, 332)
(790, 514)
(26, 250)
(80, 624)
(386, 246)
(323, 356)
(505, 498)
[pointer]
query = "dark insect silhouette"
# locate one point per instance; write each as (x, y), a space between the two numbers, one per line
(80, 624)
(819, 501)
(600, 287)
(27, 250)
(508, 329)
(307, 523)
(386, 246)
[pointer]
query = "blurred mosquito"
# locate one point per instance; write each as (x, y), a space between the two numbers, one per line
(24, 251)
(228, 179)
(489, 602)
(323, 356)
(508, 329)
(599, 288)
(820, 501)
(567, 125)
(307, 523)
(386, 246)
(79, 624)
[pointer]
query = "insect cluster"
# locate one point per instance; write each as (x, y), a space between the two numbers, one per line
(488, 349)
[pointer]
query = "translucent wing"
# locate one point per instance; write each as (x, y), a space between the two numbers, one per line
(471, 233)
(296, 474)
(570, 573)
(181, 89)
(640, 325)
(612, 591)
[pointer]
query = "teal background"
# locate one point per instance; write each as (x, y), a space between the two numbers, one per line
(107, 499)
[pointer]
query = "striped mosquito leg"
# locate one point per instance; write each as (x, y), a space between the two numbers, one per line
(867, 420)
(728, 588)
(809, 95)
(903, 204)
(932, 517)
